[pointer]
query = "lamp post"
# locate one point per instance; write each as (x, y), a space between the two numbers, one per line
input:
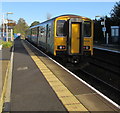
(3, 26)
(104, 26)
(7, 25)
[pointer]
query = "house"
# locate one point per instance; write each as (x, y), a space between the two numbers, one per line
(115, 34)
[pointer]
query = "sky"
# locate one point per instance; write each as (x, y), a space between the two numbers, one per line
(37, 11)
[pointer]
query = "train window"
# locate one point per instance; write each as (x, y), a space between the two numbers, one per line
(34, 32)
(87, 29)
(61, 28)
(42, 30)
(49, 31)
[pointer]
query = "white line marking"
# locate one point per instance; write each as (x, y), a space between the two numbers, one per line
(22, 68)
(107, 49)
(112, 102)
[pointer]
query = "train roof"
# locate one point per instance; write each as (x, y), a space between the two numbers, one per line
(66, 15)
(72, 15)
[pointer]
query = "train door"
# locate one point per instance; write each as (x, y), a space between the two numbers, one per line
(47, 38)
(75, 37)
(37, 36)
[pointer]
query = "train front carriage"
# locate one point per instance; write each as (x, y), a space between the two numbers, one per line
(73, 36)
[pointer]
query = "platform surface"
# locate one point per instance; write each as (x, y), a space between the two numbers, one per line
(33, 89)
(30, 90)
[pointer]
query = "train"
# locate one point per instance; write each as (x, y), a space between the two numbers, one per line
(68, 36)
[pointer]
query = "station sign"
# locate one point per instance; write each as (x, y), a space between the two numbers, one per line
(11, 24)
(104, 29)
(102, 23)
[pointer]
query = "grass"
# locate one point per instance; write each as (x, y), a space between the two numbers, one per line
(6, 44)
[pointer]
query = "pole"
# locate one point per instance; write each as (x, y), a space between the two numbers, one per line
(11, 30)
(7, 29)
(107, 39)
(104, 26)
(6, 33)
(3, 30)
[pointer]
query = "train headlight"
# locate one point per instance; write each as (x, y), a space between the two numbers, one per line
(60, 47)
(86, 47)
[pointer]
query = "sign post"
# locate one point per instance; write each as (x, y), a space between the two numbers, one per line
(104, 27)
(104, 30)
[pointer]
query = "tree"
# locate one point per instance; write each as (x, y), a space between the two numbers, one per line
(98, 34)
(21, 27)
(115, 14)
(114, 20)
(35, 23)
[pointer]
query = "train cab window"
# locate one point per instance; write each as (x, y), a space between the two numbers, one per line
(61, 28)
(87, 29)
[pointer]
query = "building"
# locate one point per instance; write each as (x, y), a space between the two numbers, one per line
(115, 34)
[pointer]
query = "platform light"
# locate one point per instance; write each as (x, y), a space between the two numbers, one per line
(9, 13)
(97, 16)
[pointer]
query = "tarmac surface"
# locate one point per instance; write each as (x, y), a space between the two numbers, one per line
(30, 90)
(5, 55)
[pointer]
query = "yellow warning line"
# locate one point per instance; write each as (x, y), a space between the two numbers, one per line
(67, 98)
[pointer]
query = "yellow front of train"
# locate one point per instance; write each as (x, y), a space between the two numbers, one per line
(73, 35)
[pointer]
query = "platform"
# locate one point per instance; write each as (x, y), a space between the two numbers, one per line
(5, 55)
(40, 84)
(108, 47)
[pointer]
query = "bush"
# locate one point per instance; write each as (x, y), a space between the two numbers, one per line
(6, 44)
(0, 42)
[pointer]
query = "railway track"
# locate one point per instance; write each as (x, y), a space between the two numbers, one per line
(111, 86)
(110, 57)
(106, 72)
(109, 67)
(110, 62)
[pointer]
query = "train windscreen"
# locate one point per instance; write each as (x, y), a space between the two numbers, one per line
(87, 29)
(61, 28)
